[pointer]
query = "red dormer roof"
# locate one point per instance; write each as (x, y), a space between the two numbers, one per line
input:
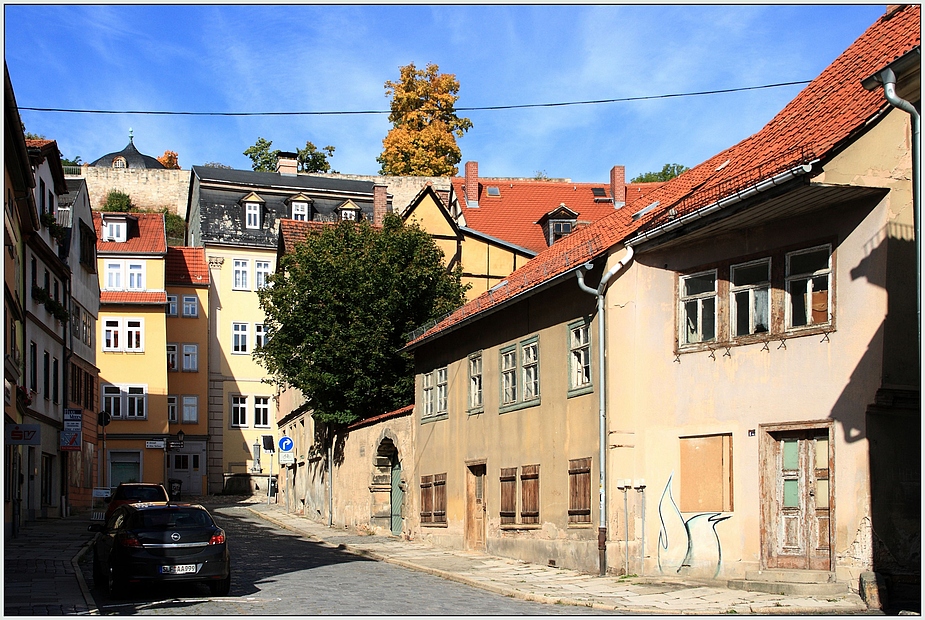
(292, 232)
(826, 114)
(512, 215)
(187, 266)
(146, 234)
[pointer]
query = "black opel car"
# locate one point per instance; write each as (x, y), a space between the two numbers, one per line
(160, 543)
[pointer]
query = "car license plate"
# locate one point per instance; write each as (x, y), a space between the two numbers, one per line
(179, 569)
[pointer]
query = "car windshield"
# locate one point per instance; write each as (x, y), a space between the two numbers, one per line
(173, 518)
(143, 494)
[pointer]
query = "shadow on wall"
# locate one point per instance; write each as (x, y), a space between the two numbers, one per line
(690, 547)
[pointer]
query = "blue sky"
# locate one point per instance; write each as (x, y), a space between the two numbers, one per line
(246, 58)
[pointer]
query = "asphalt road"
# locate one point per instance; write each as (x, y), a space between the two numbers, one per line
(276, 572)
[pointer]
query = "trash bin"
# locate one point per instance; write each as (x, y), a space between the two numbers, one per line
(175, 486)
(273, 489)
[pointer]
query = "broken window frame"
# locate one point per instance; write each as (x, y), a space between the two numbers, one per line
(753, 292)
(696, 300)
(811, 279)
(476, 403)
(579, 358)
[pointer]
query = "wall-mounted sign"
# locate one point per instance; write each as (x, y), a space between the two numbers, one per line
(23, 434)
(156, 443)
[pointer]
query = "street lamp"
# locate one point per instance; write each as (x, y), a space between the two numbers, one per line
(180, 436)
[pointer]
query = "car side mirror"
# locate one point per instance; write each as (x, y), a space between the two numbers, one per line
(96, 527)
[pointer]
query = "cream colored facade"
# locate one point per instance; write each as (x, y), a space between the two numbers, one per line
(242, 408)
(484, 261)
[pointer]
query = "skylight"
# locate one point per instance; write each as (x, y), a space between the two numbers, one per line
(494, 191)
(598, 191)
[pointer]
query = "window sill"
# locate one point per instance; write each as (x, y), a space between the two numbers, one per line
(580, 526)
(513, 527)
(814, 330)
(517, 406)
(580, 391)
(434, 525)
(478, 411)
(434, 418)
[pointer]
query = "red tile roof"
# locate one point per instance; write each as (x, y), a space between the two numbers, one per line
(398, 413)
(133, 297)
(292, 232)
(148, 237)
(512, 216)
(828, 112)
(37, 144)
(187, 266)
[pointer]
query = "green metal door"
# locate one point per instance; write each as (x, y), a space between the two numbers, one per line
(397, 497)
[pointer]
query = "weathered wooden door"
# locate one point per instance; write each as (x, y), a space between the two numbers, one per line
(798, 523)
(397, 497)
(475, 507)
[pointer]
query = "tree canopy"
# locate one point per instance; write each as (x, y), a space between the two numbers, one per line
(170, 159)
(668, 172)
(310, 158)
(339, 307)
(118, 202)
(422, 141)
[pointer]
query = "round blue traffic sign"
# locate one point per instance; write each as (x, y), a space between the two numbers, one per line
(285, 444)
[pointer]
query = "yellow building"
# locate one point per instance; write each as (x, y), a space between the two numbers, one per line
(187, 280)
(131, 352)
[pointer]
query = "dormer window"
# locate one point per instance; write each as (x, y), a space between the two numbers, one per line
(252, 204)
(559, 229)
(300, 211)
(252, 214)
(558, 223)
(349, 211)
(118, 162)
(115, 229)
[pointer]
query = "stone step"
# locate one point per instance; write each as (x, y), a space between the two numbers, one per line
(791, 576)
(789, 589)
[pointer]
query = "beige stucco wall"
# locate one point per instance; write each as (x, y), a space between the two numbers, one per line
(657, 396)
(549, 434)
(149, 189)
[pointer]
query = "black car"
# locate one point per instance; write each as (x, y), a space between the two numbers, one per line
(160, 543)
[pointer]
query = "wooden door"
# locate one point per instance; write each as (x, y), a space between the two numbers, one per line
(799, 528)
(475, 507)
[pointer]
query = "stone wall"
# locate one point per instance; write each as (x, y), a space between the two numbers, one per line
(149, 189)
(402, 189)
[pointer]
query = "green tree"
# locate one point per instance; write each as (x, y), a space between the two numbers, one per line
(668, 172)
(422, 141)
(338, 310)
(70, 162)
(262, 158)
(216, 164)
(118, 202)
(176, 228)
(311, 159)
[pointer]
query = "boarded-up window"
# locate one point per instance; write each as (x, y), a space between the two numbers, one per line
(530, 494)
(439, 498)
(427, 499)
(508, 495)
(579, 487)
(706, 473)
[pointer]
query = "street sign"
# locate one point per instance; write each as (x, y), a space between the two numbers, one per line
(285, 444)
(286, 458)
(173, 445)
(268, 447)
(155, 443)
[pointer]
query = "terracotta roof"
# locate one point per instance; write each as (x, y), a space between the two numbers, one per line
(187, 266)
(829, 111)
(512, 216)
(133, 297)
(292, 232)
(37, 144)
(398, 413)
(146, 234)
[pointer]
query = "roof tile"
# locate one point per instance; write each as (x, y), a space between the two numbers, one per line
(187, 266)
(147, 235)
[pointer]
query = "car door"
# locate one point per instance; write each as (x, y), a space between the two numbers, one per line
(106, 541)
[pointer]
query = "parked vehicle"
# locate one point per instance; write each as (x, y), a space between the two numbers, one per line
(131, 492)
(160, 543)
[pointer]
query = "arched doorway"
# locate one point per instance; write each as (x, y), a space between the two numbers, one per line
(388, 494)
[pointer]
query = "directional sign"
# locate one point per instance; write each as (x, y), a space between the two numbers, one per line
(155, 443)
(285, 444)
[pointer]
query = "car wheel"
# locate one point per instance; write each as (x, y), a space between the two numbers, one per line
(114, 587)
(221, 588)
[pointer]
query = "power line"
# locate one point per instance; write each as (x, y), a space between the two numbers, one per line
(467, 109)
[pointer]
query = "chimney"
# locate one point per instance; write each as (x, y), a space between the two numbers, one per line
(472, 184)
(380, 203)
(618, 186)
(287, 163)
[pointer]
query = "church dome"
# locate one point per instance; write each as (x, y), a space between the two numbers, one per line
(129, 157)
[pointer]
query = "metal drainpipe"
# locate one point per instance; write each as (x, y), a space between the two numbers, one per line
(602, 464)
(888, 78)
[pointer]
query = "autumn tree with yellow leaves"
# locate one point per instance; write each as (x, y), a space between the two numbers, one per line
(422, 141)
(170, 159)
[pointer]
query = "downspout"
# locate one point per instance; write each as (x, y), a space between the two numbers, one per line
(602, 396)
(888, 78)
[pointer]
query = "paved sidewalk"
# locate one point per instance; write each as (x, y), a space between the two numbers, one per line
(40, 572)
(534, 582)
